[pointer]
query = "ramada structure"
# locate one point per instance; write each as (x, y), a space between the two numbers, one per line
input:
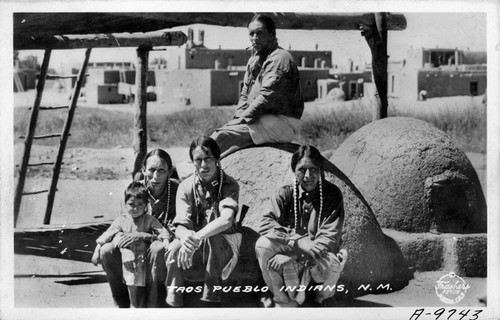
(53, 31)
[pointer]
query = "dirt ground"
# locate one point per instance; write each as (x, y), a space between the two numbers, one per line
(41, 282)
(94, 179)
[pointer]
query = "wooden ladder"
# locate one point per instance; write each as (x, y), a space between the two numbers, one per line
(30, 136)
(17, 82)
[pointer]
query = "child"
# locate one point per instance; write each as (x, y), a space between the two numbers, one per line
(123, 233)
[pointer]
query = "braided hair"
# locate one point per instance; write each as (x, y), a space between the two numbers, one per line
(307, 151)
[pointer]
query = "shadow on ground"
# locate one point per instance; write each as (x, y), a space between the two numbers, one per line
(82, 278)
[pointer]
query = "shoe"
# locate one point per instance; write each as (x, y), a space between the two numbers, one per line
(267, 302)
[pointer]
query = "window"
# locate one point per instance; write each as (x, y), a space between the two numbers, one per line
(473, 88)
(353, 89)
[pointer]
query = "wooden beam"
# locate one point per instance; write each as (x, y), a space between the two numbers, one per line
(283, 20)
(376, 37)
(340, 21)
(91, 23)
(140, 117)
(79, 41)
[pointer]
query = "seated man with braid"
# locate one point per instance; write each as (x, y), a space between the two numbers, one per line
(271, 102)
(301, 234)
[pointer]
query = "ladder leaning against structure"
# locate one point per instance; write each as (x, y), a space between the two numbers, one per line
(64, 135)
(144, 42)
(18, 83)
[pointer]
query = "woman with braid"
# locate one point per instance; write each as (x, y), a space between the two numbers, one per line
(301, 234)
(207, 243)
(155, 175)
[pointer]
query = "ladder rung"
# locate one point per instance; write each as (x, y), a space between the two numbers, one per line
(51, 77)
(34, 192)
(40, 164)
(46, 136)
(52, 108)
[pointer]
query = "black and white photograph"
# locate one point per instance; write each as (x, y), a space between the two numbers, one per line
(234, 159)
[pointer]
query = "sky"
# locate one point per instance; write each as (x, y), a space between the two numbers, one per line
(444, 30)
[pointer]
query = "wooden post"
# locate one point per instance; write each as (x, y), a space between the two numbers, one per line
(64, 137)
(376, 37)
(30, 134)
(141, 98)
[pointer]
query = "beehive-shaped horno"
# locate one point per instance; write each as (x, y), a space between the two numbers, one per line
(414, 177)
(374, 260)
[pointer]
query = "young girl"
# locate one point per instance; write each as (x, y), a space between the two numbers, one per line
(132, 233)
(156, 176)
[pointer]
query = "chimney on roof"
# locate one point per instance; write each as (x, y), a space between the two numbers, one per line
(201, 36)
(190, 41)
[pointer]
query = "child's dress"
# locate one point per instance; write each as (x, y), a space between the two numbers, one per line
(134, 256)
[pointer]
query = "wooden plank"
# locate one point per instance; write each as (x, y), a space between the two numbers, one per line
(79, 41)
(40, 164)
(34, 192)
(54, 108)
(53, 77)
(46, 136)
(140, 117)
(72, 242)
(89, 23)
(283, 20)
(30, 133)
(64, 137)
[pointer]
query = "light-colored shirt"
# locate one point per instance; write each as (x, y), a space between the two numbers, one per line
(126, 224)
(195, 211)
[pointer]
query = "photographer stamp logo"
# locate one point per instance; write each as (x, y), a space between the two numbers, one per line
(451, 288)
